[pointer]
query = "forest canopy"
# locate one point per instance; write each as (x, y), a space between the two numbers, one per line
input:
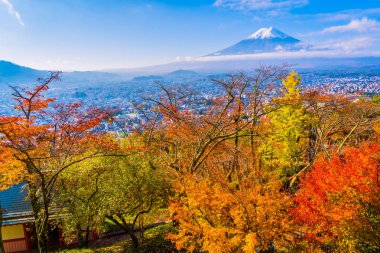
(264, 166)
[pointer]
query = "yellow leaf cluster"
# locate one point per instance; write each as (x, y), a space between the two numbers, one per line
(216, 217)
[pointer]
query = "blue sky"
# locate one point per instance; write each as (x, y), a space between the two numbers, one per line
(107, 34)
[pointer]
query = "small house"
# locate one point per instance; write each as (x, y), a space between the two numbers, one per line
(17, 219)
(18, 222)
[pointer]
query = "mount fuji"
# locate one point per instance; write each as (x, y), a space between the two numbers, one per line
(262, 41)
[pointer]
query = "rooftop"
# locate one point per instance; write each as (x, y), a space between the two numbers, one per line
(17, 209)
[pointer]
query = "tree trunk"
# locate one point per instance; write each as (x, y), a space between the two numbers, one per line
(41, 217)
(1, 236)
(87, 237)
(135, 242)
(312, 141)
(252, 146)
(141, 226)
(80, 236)
(235, 165)
(129, 230)
(42, 232)
(235, 162)
(254, 162)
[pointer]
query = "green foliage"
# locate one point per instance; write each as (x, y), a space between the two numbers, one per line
(375, 99)
(368, 236)
(80, 196)
(125, 186)
(156, 239)
(131, 186)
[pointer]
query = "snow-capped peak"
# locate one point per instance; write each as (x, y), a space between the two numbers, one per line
(268, 33)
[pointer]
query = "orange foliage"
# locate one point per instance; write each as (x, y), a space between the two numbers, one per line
(335, 196)
(214, 216)
(41, 142)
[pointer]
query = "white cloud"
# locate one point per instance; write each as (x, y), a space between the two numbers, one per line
(184, 58)
(344, 15)
(348, 45)
(358, 25)
(12, 11)
(246, 5)
(333, 53)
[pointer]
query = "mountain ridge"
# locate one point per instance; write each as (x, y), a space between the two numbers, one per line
(11, 73)
(267, 33)
(263, 40)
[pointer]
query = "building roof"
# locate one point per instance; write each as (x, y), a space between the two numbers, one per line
(17, 209)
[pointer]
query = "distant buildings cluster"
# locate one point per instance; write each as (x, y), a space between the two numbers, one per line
(123, 97)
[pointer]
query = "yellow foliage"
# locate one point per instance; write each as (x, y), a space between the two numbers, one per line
(285, 144)
(215, 217)
(11, 170)
(291, 83)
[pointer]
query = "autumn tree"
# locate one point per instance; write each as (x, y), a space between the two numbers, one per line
(215, 216)
(224, 200)
(285, 141)
(337, 120)
(131, 189)
(191, 136)
(338, 200)
(311, 122)
(123, 189)
(41, 141)
(9, 175)
(79, 198)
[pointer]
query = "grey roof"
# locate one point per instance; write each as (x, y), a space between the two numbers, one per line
(17, 209)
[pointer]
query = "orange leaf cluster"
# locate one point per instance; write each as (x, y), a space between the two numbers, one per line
(334, 197)
(215, 217)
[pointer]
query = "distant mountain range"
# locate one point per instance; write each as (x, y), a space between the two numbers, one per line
(13, 74)
(16, 75)
(172, 76)
(263, 40)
